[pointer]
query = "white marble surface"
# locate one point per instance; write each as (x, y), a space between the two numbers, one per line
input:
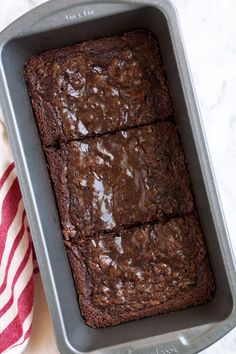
(209, 31)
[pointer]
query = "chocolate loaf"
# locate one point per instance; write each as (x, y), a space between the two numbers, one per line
(129, 222)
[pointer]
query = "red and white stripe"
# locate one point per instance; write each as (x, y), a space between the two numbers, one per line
(17, 260)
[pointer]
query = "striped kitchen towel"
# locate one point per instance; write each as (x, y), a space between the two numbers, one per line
(17, 261)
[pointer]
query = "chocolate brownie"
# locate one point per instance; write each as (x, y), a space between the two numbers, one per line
(120, 180)
(141, 272)
(98, 86)
(122, 187)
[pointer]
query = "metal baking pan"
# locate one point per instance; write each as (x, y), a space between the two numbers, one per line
(64, 22)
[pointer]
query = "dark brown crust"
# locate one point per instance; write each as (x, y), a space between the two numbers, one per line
(146, 49)
(97, 317)
(50, 128)
(56, 164)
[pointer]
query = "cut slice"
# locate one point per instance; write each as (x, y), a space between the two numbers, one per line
(98, 86)
(128, 178)
(141, 272)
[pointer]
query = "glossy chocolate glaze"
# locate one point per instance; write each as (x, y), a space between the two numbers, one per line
(145, 266)
(99, 86)
(128, 178)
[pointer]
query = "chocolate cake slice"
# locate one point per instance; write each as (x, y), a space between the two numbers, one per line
(141, 272)
(98, 86)
(120, 180)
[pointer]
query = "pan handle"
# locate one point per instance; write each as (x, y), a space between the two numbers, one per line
(175, 347)
(59, 13)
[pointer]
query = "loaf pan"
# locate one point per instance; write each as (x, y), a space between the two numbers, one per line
(63, 22)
